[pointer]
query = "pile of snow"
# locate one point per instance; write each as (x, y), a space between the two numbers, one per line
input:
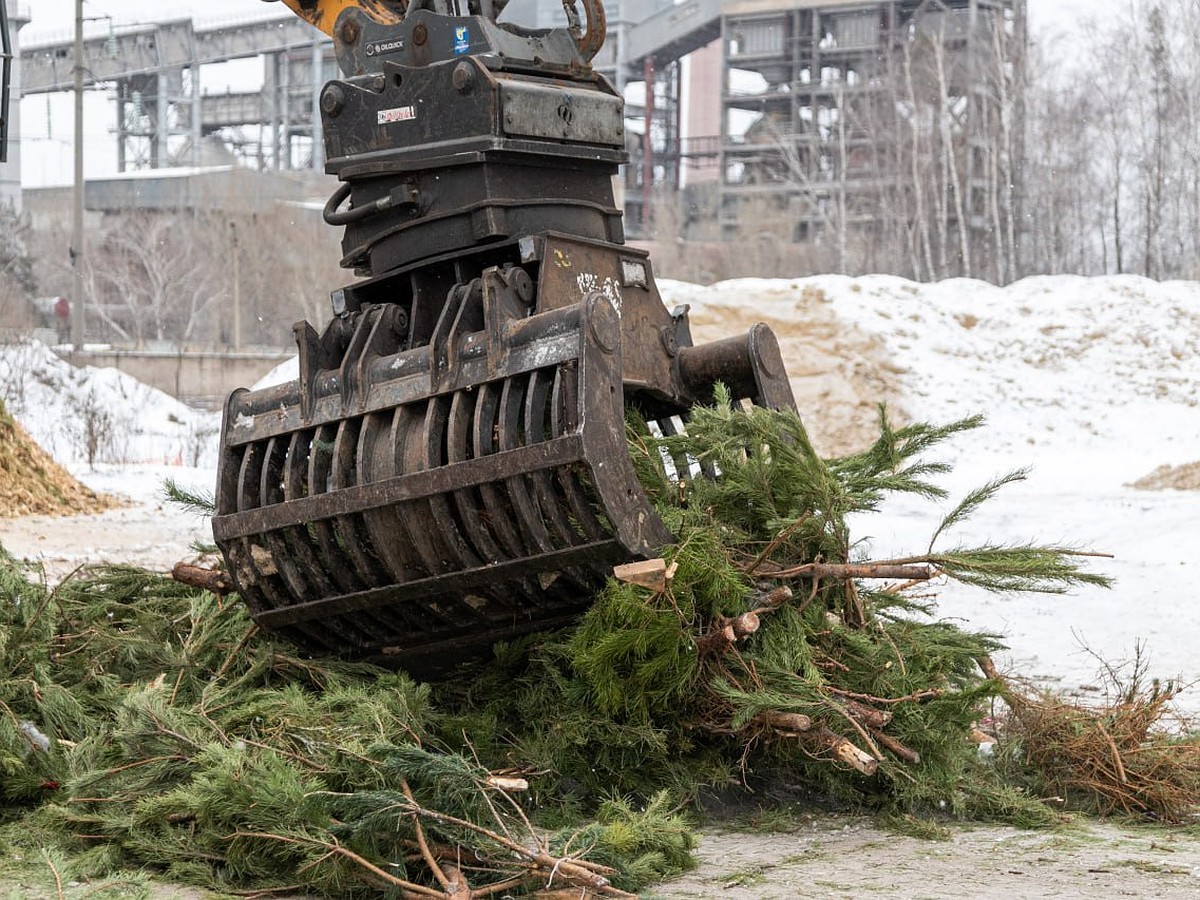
(1101, 373)
(101, 416)
(288, 370)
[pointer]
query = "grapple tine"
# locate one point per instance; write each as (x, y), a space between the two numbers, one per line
(376, 461)
(459, 553)
(537, 400)
(564, 420)
(324, 531)
(468, 504)
(512, 402)
(496, 511)
(352, 539)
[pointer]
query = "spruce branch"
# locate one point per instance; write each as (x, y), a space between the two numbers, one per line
(580, 872)
(1002, 569)
(58, 880)
(334, 848)
(973, 500)
(200, 503)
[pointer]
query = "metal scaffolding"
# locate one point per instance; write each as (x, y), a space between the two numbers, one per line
(819, 98)
(162, 112)
(807, 108)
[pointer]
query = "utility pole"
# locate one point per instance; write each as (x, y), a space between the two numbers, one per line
(236, 251)
(78, 312)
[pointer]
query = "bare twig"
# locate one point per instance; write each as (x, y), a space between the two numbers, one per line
(905, 753)
(582, 872)
(336, 849)
(49, 598)
(916, 572)
(442, 878)
(915, 697)
(58, 882)
(775, 542)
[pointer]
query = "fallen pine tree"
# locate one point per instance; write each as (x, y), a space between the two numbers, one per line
(145, 722)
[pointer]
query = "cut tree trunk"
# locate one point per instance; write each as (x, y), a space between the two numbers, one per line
(207, 579)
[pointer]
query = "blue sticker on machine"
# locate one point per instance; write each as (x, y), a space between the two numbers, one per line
(462, 40)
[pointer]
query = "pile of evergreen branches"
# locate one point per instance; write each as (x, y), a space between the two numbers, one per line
(143, 723)
(146, 723)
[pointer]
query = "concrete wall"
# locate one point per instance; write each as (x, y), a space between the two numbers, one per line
(202, 379)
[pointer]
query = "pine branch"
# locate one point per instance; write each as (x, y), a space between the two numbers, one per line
(201, 503)
(973, 500)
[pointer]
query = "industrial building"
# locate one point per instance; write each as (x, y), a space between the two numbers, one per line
(803, 110)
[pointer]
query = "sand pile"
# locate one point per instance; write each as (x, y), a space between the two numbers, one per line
(839, 372)
(31, 483)
(1171, 478)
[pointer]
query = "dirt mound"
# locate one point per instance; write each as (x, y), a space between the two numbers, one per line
(839, 373)
(1171, 478)
(31, 483)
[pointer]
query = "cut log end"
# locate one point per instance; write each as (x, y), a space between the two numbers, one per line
(508, 784)
(825, 741)
(859, 759)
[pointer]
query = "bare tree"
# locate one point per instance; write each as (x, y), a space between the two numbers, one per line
(1155, 162)
(152, 280)
(17, 282)
(1115, 148)
(174, 276)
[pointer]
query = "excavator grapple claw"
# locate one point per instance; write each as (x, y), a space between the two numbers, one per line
(450, 468)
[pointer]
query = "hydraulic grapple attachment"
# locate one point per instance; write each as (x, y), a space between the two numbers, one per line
(450, 468)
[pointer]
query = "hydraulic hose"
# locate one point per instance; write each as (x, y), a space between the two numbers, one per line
(404, 195)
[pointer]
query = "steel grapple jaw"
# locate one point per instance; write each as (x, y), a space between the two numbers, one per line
(450, 468)
(414, 503)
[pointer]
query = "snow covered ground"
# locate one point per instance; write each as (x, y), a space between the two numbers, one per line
(1091, 383)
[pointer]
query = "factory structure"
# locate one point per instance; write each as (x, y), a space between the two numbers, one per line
(804, 110)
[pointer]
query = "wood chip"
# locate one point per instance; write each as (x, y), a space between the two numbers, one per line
(650, 573)
(32, 483)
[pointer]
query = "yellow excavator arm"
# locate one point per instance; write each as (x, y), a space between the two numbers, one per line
(323, 14)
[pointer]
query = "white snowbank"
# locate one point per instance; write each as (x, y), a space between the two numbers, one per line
(99, 415)
(1103, 371)
(288, 370)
